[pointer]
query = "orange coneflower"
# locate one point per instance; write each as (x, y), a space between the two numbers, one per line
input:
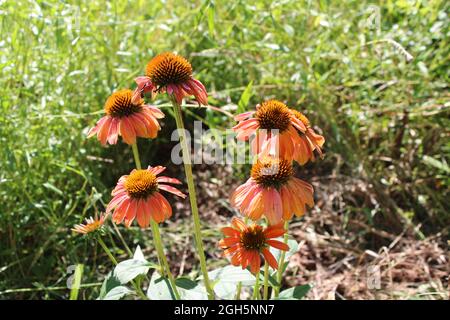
(270, 115)
(272, 190)
(171, 73)
(91, 224)
(137, 196)
(310, 141)
(245, 244)
(127, 119)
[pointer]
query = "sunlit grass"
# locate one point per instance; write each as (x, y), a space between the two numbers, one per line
(385, 118)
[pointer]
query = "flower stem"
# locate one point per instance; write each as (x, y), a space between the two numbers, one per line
(266, 281)
(238, 291)
(256, 288)
(192, 196)
(114, 261)
(281, 262)
(157, 236)
(107, 251)
(137, 160)
(160, 250)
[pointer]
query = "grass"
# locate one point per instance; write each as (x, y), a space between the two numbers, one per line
(385, 119)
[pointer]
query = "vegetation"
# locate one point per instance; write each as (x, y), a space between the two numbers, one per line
(372, 75)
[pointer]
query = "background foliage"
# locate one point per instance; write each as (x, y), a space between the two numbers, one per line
(385, 119)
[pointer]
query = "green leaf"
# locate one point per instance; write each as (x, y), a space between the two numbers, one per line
(191, 290)
(53, 188)
(110, 282)
(159, 288)
(127, 270)
(76, 282)
(118, 293)
(225, 280)
(245, 98)
(225, 290)
(185, 283)
(232, 274)
(436, 163)
(211, 13)
(295, 293)
(138, 255)
(272, 278)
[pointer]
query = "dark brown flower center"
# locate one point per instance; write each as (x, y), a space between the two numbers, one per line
(119, 104)
(272, 172)
(167, 68)
(141, 184)
(253, 238)
(273, 114)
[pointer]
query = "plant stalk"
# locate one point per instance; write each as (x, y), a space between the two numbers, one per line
(281, 262)
(266, 281)
(157, 236)
(256, 288)
(192, 196)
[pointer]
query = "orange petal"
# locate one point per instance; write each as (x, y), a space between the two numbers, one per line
(278, 244)
(270, 258)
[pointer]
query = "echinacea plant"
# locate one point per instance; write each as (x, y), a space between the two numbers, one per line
(269, 198)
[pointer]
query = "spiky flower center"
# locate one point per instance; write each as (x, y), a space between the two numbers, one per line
(272, 172)
(167, 68)
(273, 114)
(119, 104)
(253, 238)
(92, 225)
(300, 116)
(141, 184)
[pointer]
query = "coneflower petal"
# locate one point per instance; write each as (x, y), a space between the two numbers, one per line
(270, 259)
(278, 244)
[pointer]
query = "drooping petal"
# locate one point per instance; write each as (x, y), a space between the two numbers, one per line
(277, 244)
(103, 131)
(143, 214)
(164, 179)
(172, 190)
(270, 258)
(126, 131)
(255, 262)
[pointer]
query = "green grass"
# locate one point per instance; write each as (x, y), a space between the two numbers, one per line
(385, 120)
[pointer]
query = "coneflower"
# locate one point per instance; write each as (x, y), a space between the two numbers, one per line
(137, 196)
(245, 244)
(274, 128)
(310, 141)
(91, 224)
(171, 73)
(273, 191)
(126, 118)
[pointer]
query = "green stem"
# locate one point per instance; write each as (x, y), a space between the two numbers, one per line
(192, 196)
(266, 281)
(160, 250)
(238, 291)
(107, 251)
(137, 160)
(157, 236)
(256, 288)
(281, 262)
(114, 261)
(119, 234)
